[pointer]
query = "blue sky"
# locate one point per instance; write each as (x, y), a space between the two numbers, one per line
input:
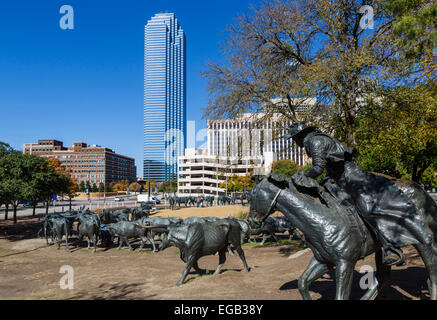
(86, 84)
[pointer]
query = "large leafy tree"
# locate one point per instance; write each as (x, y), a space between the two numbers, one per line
(286, 167)
(286, 50)
(238, 183)
(398, 134)
(5, 196)
(134, 187)
(15, 182)
(168, 186)
(415, 26)
(58, 181)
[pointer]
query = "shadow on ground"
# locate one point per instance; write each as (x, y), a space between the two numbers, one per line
(400, 286)
(113, 291)
(26, 228)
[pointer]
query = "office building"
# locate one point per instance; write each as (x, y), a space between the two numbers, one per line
(93, 164)
(164, 96)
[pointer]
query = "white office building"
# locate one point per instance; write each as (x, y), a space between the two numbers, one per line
(248, 136)
(202, 174)
(235, 147)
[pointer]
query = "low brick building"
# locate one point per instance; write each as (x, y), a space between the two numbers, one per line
(94, 163)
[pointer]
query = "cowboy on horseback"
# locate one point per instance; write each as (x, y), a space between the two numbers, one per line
(378, 200)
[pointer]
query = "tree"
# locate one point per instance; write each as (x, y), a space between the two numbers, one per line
(57, 181)
(82, 187)
(108, 187)
(5, 196)
(286, 51)
(121, 185)
(101, 187)
(397, 136)
(135, 187)
(72, 191)
(415, 26)
(153, 183)
(15, 182)
(238, 183)
(39, 167)
(94, 188)
(286, 167)
(170, 186)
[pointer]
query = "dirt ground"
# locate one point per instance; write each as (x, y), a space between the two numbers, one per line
(31, 270)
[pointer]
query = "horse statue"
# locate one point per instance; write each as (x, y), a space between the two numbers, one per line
(338, 237)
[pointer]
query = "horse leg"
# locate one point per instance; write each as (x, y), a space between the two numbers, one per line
(314, 271)
(382, 276)
(343, 278)
(430, 260)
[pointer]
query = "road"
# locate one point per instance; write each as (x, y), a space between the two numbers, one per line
(61, 206)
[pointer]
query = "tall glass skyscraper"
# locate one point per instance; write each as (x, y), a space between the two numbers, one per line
(164, 96)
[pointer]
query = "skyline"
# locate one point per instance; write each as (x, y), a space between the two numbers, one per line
(86, 84)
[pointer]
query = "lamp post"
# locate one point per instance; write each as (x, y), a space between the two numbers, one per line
(148, 179)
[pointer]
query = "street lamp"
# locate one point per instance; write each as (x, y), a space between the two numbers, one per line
(148, 179)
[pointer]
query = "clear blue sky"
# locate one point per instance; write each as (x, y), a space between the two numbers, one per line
(86, 84)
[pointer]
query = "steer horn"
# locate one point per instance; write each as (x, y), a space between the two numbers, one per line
(152, 227)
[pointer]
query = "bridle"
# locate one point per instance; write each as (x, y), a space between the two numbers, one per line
(275, 199)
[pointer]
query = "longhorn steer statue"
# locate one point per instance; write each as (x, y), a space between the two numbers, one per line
(130, 229)
(201, 239)
(57, 226)
(89, 226)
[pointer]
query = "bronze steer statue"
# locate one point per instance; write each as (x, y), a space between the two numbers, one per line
(130, 229)
(201, 239)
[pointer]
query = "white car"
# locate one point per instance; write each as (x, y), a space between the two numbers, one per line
(119, 199)
(145, 198)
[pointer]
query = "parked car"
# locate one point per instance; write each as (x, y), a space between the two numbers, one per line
(119, 199)
(144, 198)
(29, 203)
(156, 200)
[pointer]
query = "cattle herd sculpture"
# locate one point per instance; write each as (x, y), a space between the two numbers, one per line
(194, 236)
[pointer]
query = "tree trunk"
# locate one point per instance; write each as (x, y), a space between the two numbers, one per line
(15, 213)
(47, 207)
(6, 211)
(414, 173)
(34, 209)
(70, 204)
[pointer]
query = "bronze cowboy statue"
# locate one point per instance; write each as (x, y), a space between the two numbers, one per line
(378, 200)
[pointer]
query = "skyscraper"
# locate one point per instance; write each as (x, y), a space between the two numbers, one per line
(164, 96)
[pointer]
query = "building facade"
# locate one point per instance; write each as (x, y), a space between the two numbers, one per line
(248, 144)
(247, 136)
(164, 96)
(202, 174)
(93, 164)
